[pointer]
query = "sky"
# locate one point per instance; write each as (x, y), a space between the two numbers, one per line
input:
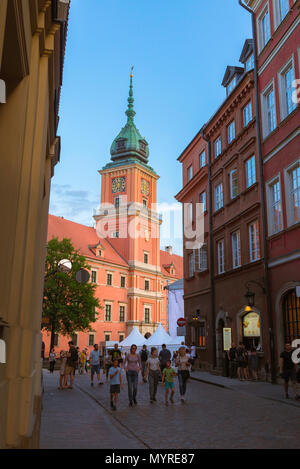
(180, 50)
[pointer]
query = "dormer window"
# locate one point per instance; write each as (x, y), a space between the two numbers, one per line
(249, 64)
(121, 144)
(100, 253)
(142, 146)
(231, 86)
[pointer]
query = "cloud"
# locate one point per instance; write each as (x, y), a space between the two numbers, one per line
(72, 204)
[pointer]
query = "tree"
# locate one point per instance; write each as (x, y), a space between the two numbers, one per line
(68, 306)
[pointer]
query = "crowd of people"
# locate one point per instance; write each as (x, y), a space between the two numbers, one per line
(154, 367)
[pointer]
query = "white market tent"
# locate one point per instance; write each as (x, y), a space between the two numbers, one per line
(159, 337)
(135, 337)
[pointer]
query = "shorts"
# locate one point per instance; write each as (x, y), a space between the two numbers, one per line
(69, 370)
(95, 369)
(114, 389)
(169, 385)
(289, 375)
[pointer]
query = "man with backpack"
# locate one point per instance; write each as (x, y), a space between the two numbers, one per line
(144, 354)
(72, 360)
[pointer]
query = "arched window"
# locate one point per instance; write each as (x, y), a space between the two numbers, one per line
(291, 317)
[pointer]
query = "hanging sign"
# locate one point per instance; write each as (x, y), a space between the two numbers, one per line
(226, 338)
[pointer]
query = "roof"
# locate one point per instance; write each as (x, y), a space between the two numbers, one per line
(230, 72)
(85, 240)
(247, 50)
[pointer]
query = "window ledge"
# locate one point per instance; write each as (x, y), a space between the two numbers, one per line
(271, 134)
(218, 211)
(288, 117)
(231, 201)
(255, 185)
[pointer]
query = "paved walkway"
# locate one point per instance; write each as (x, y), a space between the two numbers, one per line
(212, 417)
(262, 389)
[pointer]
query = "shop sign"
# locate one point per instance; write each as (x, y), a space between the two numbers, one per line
(251, 325)
(226, 338)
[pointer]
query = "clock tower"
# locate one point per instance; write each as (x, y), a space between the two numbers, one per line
(127, 217)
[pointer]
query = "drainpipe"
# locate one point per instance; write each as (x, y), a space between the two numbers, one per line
(211, 248)
(263, 197)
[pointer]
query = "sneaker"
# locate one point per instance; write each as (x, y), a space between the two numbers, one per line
(134, 400)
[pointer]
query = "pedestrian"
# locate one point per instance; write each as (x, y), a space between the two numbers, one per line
(116, 353)
(241, 362)
(132, 367)
(288, 370)
(62, 371)
(72, 359)
(193, 354)
(52, 360)
(164, 356)
(144, 354)
(168, 381)
(107, 364)
(77, 362)
(253, 363)
(115, 383)
(153, 373)
(43, 350)
(232, 357)
(183, 368)
(95, 364)
(175, 355)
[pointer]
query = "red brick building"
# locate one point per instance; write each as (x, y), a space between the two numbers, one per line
(215, 288)
(127, 264)
(278, 53)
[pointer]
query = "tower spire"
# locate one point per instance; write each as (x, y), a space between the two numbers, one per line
(130, 111)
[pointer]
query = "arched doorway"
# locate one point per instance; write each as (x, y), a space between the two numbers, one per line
(291, 317)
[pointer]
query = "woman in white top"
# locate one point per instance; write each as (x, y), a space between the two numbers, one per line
(183, 365)
(153, 372)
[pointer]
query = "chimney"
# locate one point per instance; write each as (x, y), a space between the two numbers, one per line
(169, 249)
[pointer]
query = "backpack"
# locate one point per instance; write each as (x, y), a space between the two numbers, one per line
(144, 356)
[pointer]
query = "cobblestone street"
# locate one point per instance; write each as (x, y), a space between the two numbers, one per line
(212, 417)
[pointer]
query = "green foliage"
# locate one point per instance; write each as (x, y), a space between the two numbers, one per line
(68, 306)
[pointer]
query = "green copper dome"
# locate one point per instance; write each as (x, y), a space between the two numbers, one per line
(129, 142)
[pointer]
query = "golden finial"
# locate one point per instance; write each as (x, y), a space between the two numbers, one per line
(131, 73)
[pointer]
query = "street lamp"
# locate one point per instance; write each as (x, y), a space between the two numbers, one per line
(250, 296)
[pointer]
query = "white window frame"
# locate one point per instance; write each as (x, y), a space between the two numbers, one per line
(108, 303)
(249, 64)
(265, 119)
(219, 199)
(247, 114)
(202, 159)
(250, 175)
(200, 256)
(236, 249)
(150, 314)
(218, 147)
(122, 306)
(122, 277)
(109, 334)
(232, 195)
(112, 279)
(278, 17)
(231, 132)
(191, 264)
(284, 105)
(147, 254)
(149, 284)
(93, 334)
(231, 85)
(221, 256)
(94, 271)
(288, 193)
(271, 203)
(254, 241)
(262, 39)
(203, 201)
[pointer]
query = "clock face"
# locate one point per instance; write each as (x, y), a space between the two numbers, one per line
(118, 185)
(145, 187)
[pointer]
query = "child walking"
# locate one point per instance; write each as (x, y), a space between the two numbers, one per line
(168, 380)
(115, 377)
